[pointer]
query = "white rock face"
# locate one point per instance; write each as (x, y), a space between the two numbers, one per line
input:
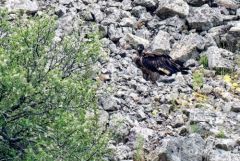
(231, 4)
(161, 42)
(27, 5)
(204, 17)
(187, 47)
(219, 58)
(146, 3)
(169, 8)
(135, 40)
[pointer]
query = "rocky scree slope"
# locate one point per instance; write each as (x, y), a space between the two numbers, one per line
(175, 121)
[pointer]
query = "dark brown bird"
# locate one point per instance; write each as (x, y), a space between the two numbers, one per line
(153, 65)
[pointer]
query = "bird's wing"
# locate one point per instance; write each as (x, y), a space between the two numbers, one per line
(161, 63)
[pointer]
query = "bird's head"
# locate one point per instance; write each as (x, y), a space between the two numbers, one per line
(140, 48)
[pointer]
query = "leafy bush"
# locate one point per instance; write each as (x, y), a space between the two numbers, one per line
(47, 94)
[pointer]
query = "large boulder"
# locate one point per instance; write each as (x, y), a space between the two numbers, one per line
(179, 149)
(187, 47)
(161, 42)
(169, 8)
(219, 58)
(204, 17)
(26, 5)
(231, 40)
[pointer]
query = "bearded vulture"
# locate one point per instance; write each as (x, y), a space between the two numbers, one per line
(153, 65)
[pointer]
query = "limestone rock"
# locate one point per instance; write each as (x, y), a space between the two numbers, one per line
(146, 3)
(187, 47)
(161, 42)
(230, 4)
(27, 5)
(204, 17)
(169, 8)
(179, 149)
(135, 40)
(219, 58)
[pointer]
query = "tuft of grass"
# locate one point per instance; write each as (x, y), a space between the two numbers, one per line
(221, 134)
(198, 79)
(194, 128)
(224, 71)
(139, 155)
(204, 61)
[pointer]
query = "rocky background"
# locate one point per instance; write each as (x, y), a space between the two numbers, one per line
(174, 119)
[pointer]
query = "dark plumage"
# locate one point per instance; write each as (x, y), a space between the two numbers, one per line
(153, 65)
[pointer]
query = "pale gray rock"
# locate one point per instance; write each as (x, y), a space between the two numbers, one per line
(169, 8)
(177, 23)
(187, 47)
(114, 33)
(144, 33)
(204, 17)
(119, 125)
(161, 42)
(135, 40)
(103, 119)
(97, 13)
(27, 5)
(235, 107)
(219, 58)
(138, 11)
(225, 144)
(201, 115)
(222, 155)
(65, 2)
(128, 22)
(229, 4)
(109, 103)
(179, 149)
(146, 3)
(127, 5)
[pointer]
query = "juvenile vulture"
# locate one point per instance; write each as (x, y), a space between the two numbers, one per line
(153, 65)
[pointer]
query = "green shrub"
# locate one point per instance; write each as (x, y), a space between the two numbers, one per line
(221, 134)
(48, 101)
(139, 155)
(194, 128)
(204, 61)
(198, 79)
